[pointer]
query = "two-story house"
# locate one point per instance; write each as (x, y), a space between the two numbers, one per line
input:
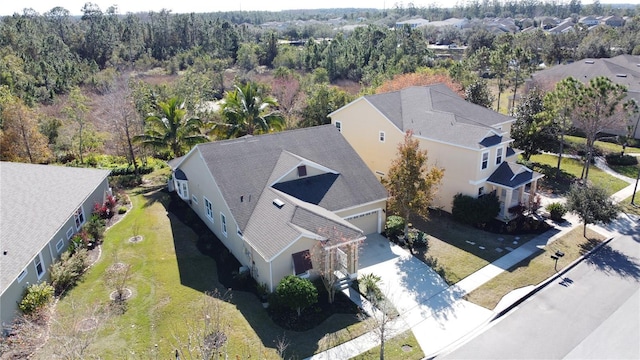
(279, 200)
(470, 142)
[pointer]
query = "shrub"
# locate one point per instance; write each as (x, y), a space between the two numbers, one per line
(36, 296)
(394, 226)
(556, 211)
(418, 238)
(474, 211)
(296, 293)
(95, 227)
(122, 210)
(369, 287)
(80, 240)
(621, 160)
(67, 272)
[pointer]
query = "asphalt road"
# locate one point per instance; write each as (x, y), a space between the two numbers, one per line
(591, 312)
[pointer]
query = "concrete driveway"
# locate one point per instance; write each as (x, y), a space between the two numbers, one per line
(434, 311)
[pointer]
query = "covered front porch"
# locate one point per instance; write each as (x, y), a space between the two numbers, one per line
(516, 186)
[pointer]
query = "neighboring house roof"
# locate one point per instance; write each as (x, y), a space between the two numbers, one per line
(436, 112)
(35, 202)
(248, 172)
(513, 175)
(413, 22)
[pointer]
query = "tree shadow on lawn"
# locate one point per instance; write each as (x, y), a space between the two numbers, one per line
(557, 185)
(612, 261)
(428, 289)
(205, 264)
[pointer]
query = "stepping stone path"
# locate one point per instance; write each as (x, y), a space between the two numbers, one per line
(508, 248)
(470, 242)
(500, 239)
(481, 247)
(499, 250)
(515, 243)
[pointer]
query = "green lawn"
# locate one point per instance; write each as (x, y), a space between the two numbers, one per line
(602, 146)
(630, 171)
(571, 169)
(169, 280)
(449, 244)
(631, 209)
(403, 346)
(534, 269)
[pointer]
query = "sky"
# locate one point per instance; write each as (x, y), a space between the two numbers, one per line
(10, 7)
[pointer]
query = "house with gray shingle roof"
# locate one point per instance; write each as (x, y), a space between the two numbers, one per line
(471, 143)
(277, 201)
(41, 208)
(622, 69)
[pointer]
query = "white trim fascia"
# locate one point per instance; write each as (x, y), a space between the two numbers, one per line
(478, 182)
(284, 249)
(305, 162)
(344, 107)
(270, 276)
(360, 205)
(344, 243)
(185, 157)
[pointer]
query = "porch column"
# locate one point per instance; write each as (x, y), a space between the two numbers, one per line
(507, 202)
(534, 187)
(520, 194)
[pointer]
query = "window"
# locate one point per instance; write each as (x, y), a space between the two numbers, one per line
(79, 217)
(381, 136)
(208, 208)
(59, 245)
(339, 126)
(485, 160)
(223, 224)
(194, 199)
(69, 233)
(185, 192)
(302, 171)
(498, 156)
(480, 191)
(38, 265)
(22, 275)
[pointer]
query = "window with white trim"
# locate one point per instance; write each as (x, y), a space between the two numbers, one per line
(60, 245)
(499, 156)
(79, 217)
(69, 233)
(381, 136)
(339, 126)
(485, 160)
(208, 208)
(37, 263)
(481, 191)
(223, 224)
(22, 275)
(194, 199)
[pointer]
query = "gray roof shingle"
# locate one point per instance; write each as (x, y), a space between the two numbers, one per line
(436, 112)
(513, 175)
(35, 202)
(246, 166)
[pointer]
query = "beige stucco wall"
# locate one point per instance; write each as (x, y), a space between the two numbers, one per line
(14, 292)
(361, 125)
(282, 265)
(201, 185)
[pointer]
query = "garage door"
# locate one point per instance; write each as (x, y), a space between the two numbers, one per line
(367, 222)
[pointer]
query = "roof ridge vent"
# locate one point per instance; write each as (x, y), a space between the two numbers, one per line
(589, 62)
(278, 203)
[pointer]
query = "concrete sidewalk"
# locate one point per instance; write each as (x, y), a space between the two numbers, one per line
(438, 315)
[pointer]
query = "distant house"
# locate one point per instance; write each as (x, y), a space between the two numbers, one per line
(622, 69)
(589, 20)
(41, 208)
(613, 20)
(564, 26)
(412, 23)
(470, 142)
(455, 22)
(274, 200)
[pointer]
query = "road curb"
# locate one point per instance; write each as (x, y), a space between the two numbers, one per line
(549, 280)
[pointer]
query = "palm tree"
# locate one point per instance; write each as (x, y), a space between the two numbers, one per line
(171, 129)
(247, 111)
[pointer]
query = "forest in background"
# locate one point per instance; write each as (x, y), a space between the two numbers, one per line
(72, 86)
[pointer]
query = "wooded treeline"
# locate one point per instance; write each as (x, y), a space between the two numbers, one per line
(87, 84)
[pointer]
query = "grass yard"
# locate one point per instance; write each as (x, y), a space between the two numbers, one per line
(536, 268)
(403, 346)
(631, 209)
(169, 281)
(602, 146)
(455, 258)
(571, 169)
(630, 171)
